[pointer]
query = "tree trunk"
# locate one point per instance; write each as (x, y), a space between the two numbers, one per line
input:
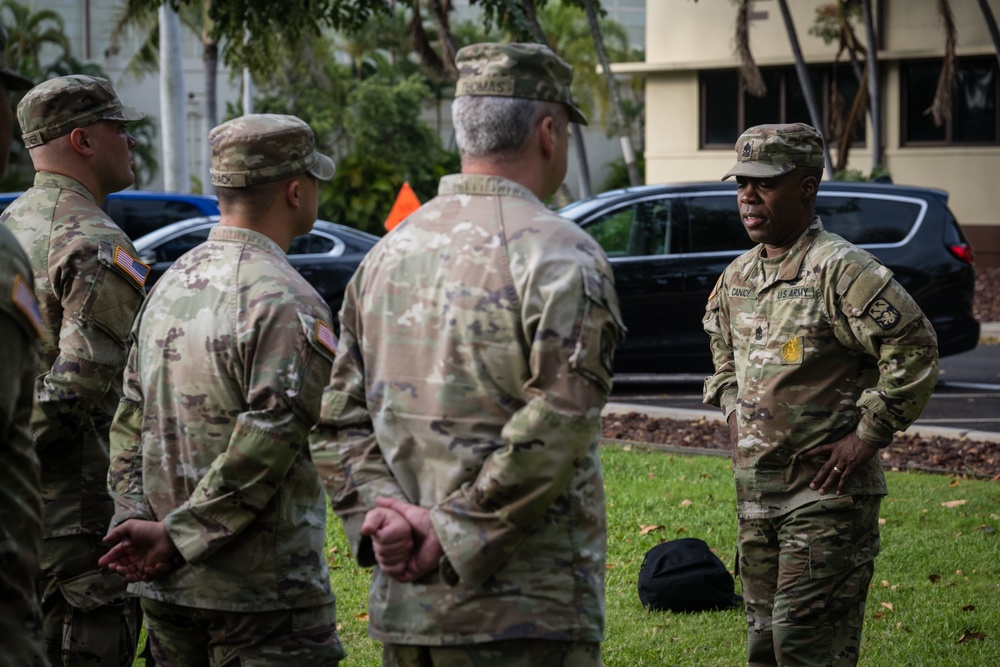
(874, 91)
(577, 131)
(804, 81)
(210, 58)
(991, 23)
(173, 103)
(616, 99)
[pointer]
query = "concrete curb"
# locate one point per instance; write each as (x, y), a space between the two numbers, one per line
(989, 332)
(714, 415)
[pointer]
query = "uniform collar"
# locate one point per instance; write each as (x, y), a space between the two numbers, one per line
(481, 184)
(791, 265)
(47, 179)
(242, 235)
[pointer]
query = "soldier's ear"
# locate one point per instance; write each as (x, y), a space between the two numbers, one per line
(293, 193)
(80, 140)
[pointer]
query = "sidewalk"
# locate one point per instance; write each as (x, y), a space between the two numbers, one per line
(989, 333)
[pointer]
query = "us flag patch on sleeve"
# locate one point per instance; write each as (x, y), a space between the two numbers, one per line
(324, 334)
(24, 299)
(132, 266)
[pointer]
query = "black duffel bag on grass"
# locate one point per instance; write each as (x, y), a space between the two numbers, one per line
(684, 575)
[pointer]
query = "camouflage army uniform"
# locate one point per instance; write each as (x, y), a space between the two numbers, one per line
(476, 345)
(231, 352)
(809, 347)
(20, 494)
(89, 289)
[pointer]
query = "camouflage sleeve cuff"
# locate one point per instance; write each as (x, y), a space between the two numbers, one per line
(873, 433)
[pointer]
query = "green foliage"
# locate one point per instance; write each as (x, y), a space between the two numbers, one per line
(939, 572)
(880, 172)
(618, 174)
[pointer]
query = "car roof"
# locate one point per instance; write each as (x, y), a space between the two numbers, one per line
(585, 206)
(181, 226)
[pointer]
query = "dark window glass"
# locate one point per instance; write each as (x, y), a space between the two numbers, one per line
(141, 216)
(727, 109)
(639, 230)
(719, 100)
(920, 81)
(714, 224)
(310, 244)
(171, 249)
(974, 117)
(974, 99)
(863, 220)
(766, 109)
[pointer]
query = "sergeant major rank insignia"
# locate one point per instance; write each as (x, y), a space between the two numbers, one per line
(884, 313)
(747, 149)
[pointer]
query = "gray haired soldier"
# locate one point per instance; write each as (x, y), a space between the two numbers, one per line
(458, 435)
(89, 286)
(820, 357)
(221, 513)
(20, 494)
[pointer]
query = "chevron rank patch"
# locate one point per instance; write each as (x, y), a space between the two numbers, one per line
(324, 334)
(24, 299)
(132, 266)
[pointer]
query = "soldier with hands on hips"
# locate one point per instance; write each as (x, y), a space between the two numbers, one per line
(820, 358)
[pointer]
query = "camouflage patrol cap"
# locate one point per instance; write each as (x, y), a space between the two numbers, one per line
(773, 150)
(532, 71)
(60, 105)
(13, 80)
(260, 148)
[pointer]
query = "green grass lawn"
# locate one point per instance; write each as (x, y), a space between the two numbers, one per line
(934, 600)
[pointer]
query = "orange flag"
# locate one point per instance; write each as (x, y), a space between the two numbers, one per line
(406, 203)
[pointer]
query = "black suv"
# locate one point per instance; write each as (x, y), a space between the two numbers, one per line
(668, 244)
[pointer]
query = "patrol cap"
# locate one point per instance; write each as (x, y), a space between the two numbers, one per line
(773, 150)
(531, 71)
(13, 80)
(260, 148)
(60, 105)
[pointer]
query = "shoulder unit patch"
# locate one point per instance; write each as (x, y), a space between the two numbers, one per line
(131, 266)
(324, 334)
(884, 313)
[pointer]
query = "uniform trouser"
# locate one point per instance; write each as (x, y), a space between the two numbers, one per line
(805, 579)
(87, 616)
(512, 653)
(188, 637)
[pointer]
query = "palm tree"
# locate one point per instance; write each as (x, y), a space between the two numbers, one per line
(143, 18)
(616, 101)
(28, 33)
(991, 23)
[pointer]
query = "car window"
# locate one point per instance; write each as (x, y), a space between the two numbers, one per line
(867, 220)
(137, 217)
(310, 244)
(715, 225)
(638, 230)
(171, 249)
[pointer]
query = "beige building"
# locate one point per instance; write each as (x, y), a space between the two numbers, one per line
(695, 105)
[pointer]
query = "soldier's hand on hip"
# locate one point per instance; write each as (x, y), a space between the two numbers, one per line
(845, 457)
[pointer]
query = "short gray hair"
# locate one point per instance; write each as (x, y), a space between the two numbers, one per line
(491, 126)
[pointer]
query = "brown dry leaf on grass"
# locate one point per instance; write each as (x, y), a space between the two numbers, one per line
(646, 530)
(969, 636)
(951, 504)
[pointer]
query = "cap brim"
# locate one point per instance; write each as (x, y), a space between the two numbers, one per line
(323, 167)
(757, 170)
(15, 81)
(575, 115)
(126, 113)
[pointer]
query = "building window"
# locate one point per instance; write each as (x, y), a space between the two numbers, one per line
(974, 101)
(727, 109)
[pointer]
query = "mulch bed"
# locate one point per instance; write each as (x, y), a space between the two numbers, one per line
(967, 458)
